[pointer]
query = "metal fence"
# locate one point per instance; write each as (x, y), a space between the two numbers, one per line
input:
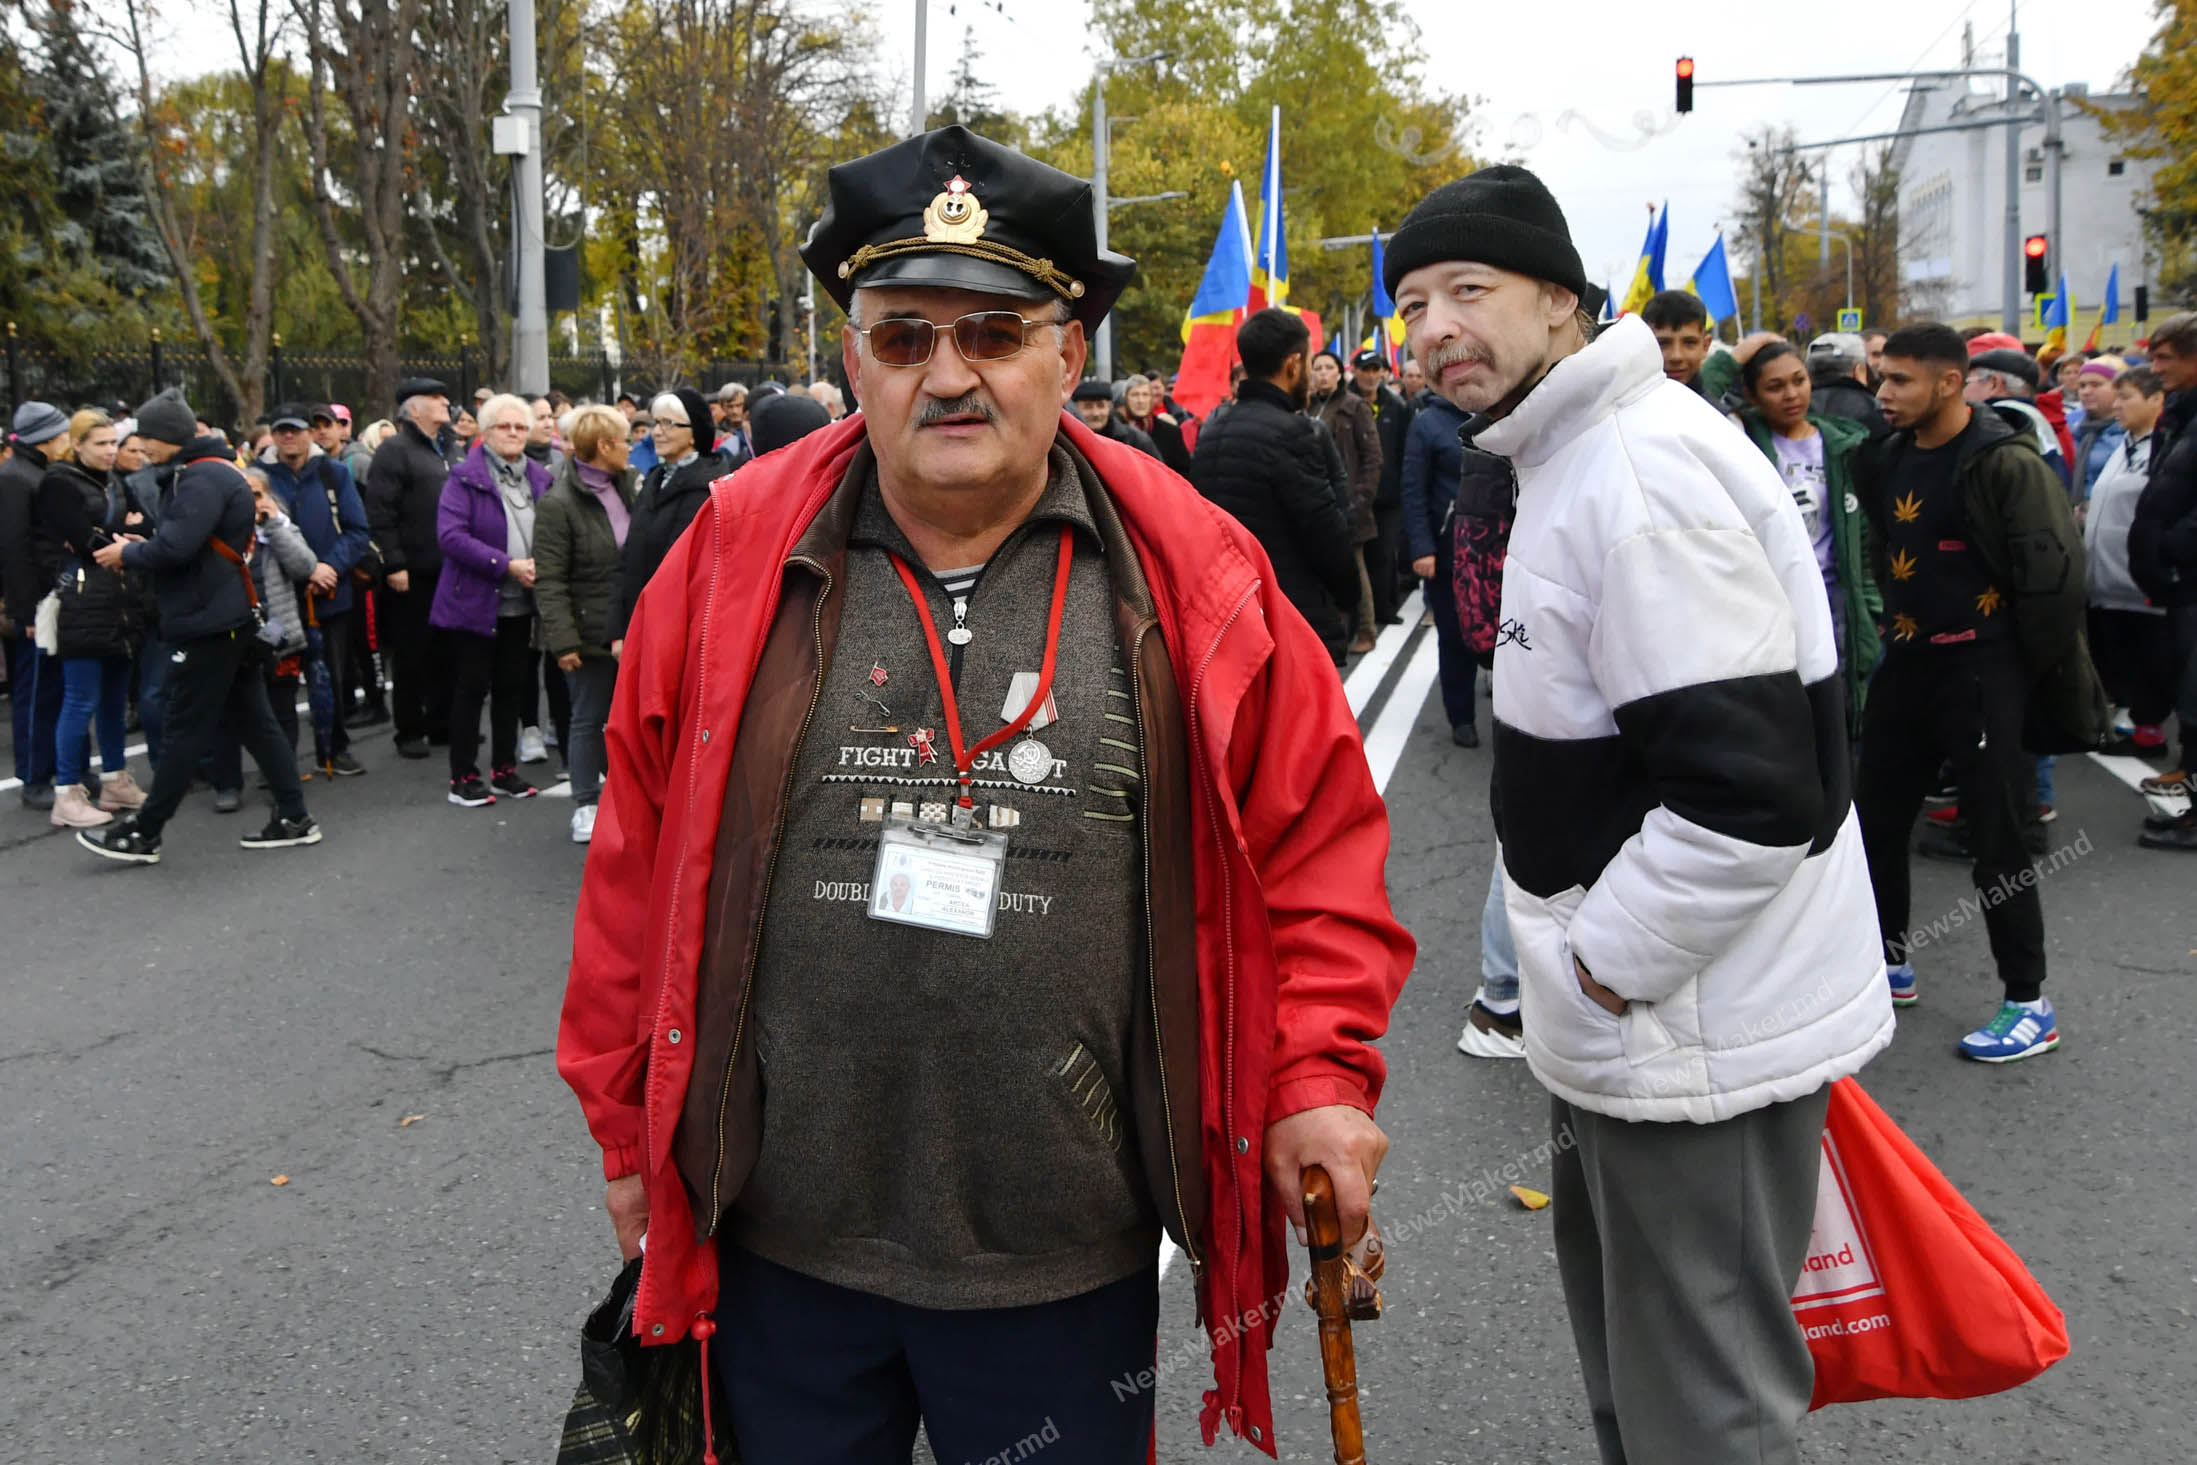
(124, 378)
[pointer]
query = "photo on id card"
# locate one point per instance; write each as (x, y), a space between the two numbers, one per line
(939, 878)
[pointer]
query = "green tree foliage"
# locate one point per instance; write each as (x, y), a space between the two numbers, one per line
(1362, 141)
(72, 233)
(2163, 126)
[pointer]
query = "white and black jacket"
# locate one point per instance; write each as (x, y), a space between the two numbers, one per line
(1671, 776)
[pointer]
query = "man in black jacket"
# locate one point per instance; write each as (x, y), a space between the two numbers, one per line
(1391, 420)
(1838, 375)
(1262, 461)
(403, 494)
(209, 621)
(2162, 555)
(1094, 403)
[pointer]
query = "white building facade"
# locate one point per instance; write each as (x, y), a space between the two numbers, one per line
(1953, 209)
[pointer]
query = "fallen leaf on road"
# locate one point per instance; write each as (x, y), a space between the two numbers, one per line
(280, 1180)
(1532, 1200)
(409, 1120)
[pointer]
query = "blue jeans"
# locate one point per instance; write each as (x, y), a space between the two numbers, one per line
(827, 1376)
(34, 686)
(2044, 782)
(93, 688)
(1498, 955)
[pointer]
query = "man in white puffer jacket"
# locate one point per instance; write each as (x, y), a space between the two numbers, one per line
(1697, 942)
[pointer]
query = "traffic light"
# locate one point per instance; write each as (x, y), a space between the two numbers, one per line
(1685, 83)
(2143, 302)
(2034, 249)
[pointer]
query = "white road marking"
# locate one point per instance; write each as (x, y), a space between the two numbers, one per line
(1384, 746)
(1365, 678)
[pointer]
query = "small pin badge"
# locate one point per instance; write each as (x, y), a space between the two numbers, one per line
(920, 740)
(877, 674)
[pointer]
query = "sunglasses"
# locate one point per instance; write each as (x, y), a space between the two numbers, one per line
(988, 335)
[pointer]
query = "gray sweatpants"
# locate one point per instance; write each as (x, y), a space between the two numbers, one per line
(1679, 1246)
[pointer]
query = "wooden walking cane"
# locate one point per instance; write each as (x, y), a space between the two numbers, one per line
(1340, 1288)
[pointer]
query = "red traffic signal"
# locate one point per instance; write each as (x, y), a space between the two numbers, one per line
(1685, 83)
(2034, 246)
(2034, 250)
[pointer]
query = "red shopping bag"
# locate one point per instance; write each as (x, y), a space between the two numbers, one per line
(1907, 1292)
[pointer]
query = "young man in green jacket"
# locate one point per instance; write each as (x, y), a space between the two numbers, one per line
(1981, 568)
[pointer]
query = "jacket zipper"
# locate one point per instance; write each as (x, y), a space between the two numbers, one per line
(1228, 934)
(770, 874)
(663, 983)
(1152, 976)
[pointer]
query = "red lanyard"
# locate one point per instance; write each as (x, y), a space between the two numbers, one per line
(965, 758)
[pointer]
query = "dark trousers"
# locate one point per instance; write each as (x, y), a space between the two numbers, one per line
(34, 702)
(1460, 673)
(1679, 1246)
(420, 662)
(826, 1376)
(337, 631)
(152, 696)
(1380, 563)
(592, 685)
(496, 670)
(2182, 626)
(2135, 656)
(551, 676)
(216, 686)
(1963, 706)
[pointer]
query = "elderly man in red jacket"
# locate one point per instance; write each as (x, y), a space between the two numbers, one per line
(989, 881)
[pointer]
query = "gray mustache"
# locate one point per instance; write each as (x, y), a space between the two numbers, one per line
(936, 411)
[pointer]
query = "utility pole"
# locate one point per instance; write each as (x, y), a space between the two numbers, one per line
(921, 110)
(2010, 307)
(1102, 346)
(1102, 349)
(519, 132)
(1823, 214)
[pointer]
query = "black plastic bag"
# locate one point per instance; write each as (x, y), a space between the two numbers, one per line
(636, 1405)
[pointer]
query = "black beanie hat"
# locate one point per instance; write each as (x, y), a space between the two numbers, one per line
(1502, 216)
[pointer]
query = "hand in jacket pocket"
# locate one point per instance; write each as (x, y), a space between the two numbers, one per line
(1598, 994)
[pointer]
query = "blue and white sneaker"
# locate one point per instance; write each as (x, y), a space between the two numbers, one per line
(2018, 1031)
(1904, 992)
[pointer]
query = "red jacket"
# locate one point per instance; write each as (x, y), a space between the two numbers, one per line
(2054, 408)
(1299, 957)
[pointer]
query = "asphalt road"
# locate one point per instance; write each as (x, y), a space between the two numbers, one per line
(172, 1040)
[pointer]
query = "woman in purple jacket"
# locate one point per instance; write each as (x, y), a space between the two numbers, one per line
(485, 598)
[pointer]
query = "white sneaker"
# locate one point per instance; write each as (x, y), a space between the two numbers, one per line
(583, 824)
(1487, 1035)
(531, 747)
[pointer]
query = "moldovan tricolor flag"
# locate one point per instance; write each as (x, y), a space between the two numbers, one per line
(1209, 326)
(1647, 278)
(1270, 266)
(1388, 331)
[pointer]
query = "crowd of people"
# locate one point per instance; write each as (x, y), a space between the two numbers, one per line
(440, 561)
(1746, 610)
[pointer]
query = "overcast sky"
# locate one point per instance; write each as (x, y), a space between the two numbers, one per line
(1571, 103)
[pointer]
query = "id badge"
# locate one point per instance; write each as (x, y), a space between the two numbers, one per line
(938, 877)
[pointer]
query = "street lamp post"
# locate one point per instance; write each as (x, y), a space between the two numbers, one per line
(1101, 144)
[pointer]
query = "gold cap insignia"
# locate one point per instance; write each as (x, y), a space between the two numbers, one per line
(954, 216)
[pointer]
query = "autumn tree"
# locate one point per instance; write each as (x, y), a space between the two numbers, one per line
(171, 135)
(362, 58)
(2163, 126)
(1776, 200)
(1348, 166)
